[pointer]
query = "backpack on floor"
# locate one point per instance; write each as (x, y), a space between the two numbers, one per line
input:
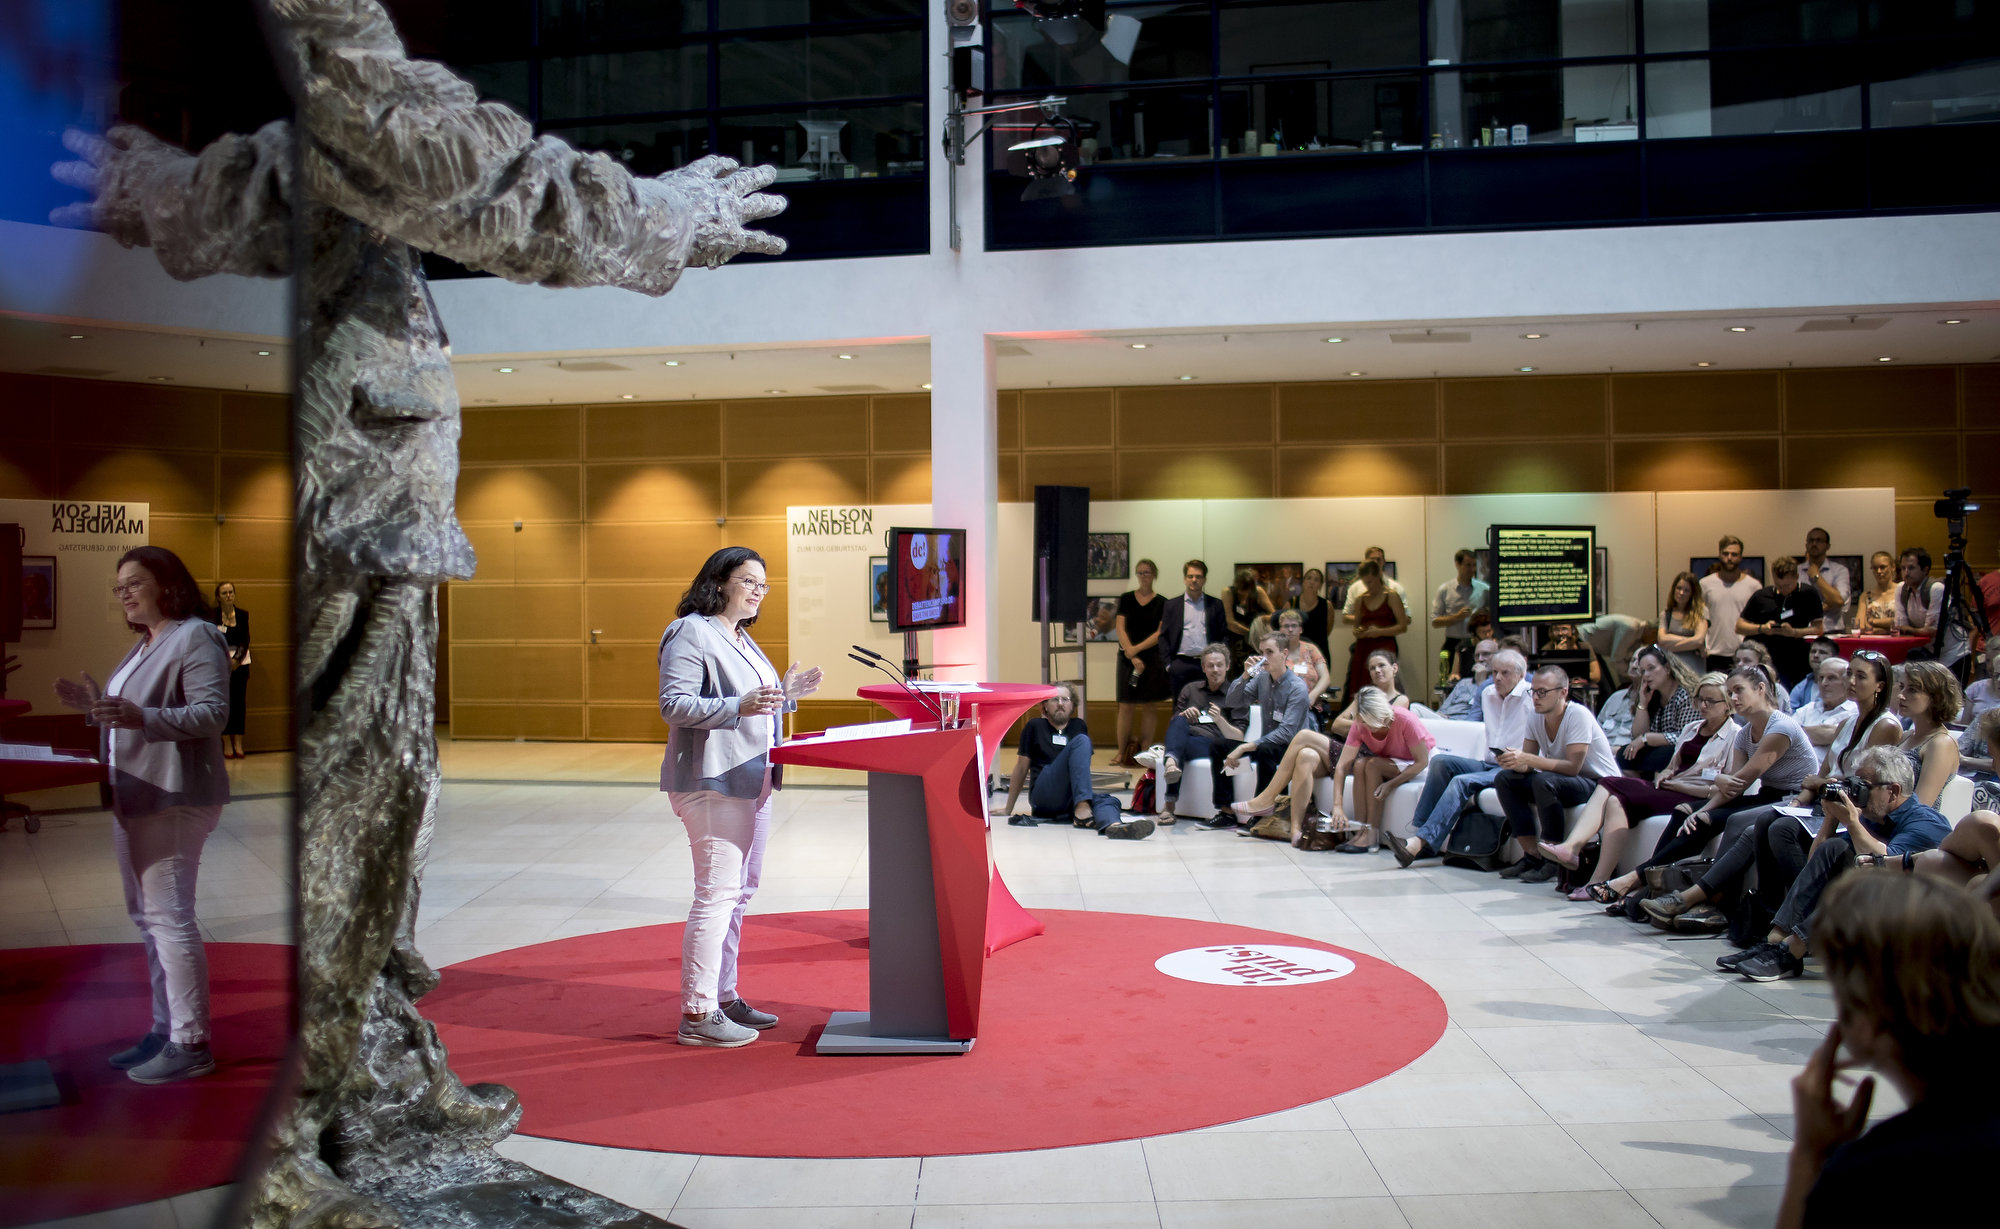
(1475, 841)
(1142, 794)
(1749, 920)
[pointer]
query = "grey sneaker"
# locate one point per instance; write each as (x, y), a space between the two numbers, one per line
(748, 1016)
(1541, 872)
(140, 1051)
(716, 1030)
(173, 1062)
(1130, 830)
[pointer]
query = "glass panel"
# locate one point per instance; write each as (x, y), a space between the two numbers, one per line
(1349, 115)
(1152, 43)
(1746, 94)
(749, 14)
(869, 65)
(1300, 38)
(1946, 94)
(627, 83)
(1119, 126)
(589, 21)
(1480, 31)
(831, 143)
(506, 82)
(1907, 18)
(1534, 106)
(1698, 25)
(647, 148)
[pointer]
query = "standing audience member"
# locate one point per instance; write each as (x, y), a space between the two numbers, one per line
(1245, 602)
(1914, 967)
(1457, 598)
(1392, 746)
(1828, 578)
(1188, 625)
(1202, 727)
(159, 723)
(1375, 555)
(1315, 610)
(1725, 592)
(1929, 700)
(1612, 639)
(235, 624)
(1662, 707)
(1142, 675)
(1480, 627)
(1684, 623)
(1463, 702)
(1454, 781)
(1822, 648)
(1053, 761)
(1831, 708)
(1877, 616)
(1281, 696)
(1783, 616)
(1379, 617)
(1564, 756)
(1919, 602)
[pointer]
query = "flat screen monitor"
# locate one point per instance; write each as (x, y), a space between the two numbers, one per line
(929, 586)
(1543, 573)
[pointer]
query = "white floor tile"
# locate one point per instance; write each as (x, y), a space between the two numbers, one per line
(1707, 1207)
(1596, 1209)
(636, 1179)
(1481, 1160)
(1568, 1047)
(1137, 1215)
(781, 1182)
(1715, 1154)
(1442, 1099)
(1378, 1212)
(1655, 1093)
(1099, 1173)
(1260, 1165)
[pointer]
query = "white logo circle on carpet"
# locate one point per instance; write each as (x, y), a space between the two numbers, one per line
(1261, 965)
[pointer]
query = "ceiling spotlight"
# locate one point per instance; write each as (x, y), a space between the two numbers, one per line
(79, 336)
(1524, 368)
(506, 371)
(624, 396)
(1742, 328)
(1533, 336)
(843, 356)
(156, 377)
(1138, 345)
(1701, 364)
(1187, 377)
(774, 391)
(1885, 359)
(924, 386)
(1357, 373)
(263, 354)
(1334, 341)
(1951, 322)
(672, 362)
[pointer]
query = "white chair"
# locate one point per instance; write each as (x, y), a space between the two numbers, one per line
(1955, 799)
(1399, 815)
(1197, 796)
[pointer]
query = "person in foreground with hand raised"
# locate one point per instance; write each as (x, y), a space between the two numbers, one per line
(723, 703)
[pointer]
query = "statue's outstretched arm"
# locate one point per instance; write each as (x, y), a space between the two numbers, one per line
(228, 210)
(407, 147)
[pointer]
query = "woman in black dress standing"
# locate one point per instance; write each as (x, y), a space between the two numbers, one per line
(235, 624)
(1313, 609)
(1142, 676)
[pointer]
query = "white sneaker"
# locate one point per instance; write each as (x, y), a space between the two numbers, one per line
(1152, 757)
(715, 1029)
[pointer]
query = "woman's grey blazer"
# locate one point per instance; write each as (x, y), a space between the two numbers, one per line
(703, 678)
(175, 758)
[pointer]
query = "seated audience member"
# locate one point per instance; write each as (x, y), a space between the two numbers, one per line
(1783, 616)
(1314, 610)
(1769, 748)
(1822, 648)
(1830, 708)
(1612, 639)
(1053, 761)
(1826, 577)
(1301, 656)
(1871, 685)
(1701, 752)
(1453, 782)
(1662, 706)
(1877, 616)
(1929, 700)
(1189, 624)
(1615, 714)
(1481, 628)
(1563, 639)
(1392, 746)
(1968, 857)
(1379, 617)
(1684, 623)
(1915, 972)
(1725, 592)
(1561, 761)
(1384, 673)
(1881, 822)
(1202, 727)
(1280, 695)
(1753, 653)
(1919, 601)
(1463, 702)
(1456, 600)
(1245, 600)
(1975, 746)
(1983, 694)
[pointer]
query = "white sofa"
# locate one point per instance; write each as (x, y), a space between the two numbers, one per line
(1466, 738)
(1197, 785)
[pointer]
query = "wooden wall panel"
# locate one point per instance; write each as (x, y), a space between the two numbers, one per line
(551, 673)
(256, 422)
(270, 605)
(1096, 470)
(171, 482)
(110, 414)
(1871, 399)
(774, 616)
(196, 539)
(653, 429)
(1913, 464)
(536, 551)
(1358, 469)
(767, 488)
(27, 471)
(1008, 482)
(653, 491)
(257, 550)
(1068, 418)
(270, 676)
(1747, 464)
(1545, 465)
(628, 673)
(1982, 456)
(268, 730)
(257, 485)
(1223, 414)
(554, 722)
(764, 534)
(520, 492)
(26, 408)
(816, 715)
(531, 434)
(1530, 406)
(626, 723)
(670, 553)
(517, 612)
(1206, 473)
(900, 424)
(1362, 410)
(1982, 394)
(795, 426)
(1692, 403)
(1007, 424)
(900, 480)
(637, 611)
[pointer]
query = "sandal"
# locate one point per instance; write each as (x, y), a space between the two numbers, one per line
(1603, 893)
(1244, 811)
(1560, 855)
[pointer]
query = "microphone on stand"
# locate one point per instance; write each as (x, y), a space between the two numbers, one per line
(896, 677)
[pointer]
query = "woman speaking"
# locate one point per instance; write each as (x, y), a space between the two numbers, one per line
(162, 715)
(723, 704)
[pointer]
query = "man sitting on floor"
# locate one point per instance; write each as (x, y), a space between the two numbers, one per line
(1560, 763)
(1452, 782)
(1053, 761)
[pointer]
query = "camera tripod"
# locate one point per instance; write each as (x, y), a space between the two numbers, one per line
(1961, 608)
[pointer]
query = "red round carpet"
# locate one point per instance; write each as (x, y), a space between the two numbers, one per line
(1082, 1041)
(111, 1142)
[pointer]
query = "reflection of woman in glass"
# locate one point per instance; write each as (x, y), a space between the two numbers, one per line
(35, 596)
(235, 624)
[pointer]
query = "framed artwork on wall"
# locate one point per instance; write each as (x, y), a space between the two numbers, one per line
(1109, 557)
(878, 589)
(1600, 584)
(1103, 622)
(1338, 577)
(1283, 581)
(38, 592)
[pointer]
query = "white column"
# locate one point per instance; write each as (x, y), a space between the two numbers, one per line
(965, 493)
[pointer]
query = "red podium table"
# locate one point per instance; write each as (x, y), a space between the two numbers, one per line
(1895, 648)
(927, 887)
(20, 776)
(998, 706)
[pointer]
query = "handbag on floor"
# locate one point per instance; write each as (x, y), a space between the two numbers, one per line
(1586, 868)
(1142, 793)
(1475, 841)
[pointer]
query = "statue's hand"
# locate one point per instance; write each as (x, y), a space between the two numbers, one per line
(99, 163)
(724, 197)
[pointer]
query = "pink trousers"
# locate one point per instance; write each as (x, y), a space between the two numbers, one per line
(726, 836)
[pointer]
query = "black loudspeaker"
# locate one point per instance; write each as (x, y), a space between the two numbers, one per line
(10, 584)
(1062, 537)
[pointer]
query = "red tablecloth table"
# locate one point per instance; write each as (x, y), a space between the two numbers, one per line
(18, 776)
(1895, 648)
(10, 709)
(998, 705)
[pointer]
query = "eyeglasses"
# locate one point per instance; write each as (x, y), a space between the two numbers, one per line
(124, 590)
(1539, 692)
(1710, 700)
(752, 586)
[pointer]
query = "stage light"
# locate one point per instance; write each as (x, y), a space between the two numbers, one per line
(506, 371)
(1524, 368)
(263, 354)
(1533, 336)
(1334, 341)
(76, 337)
(1951, 322)
(1701, 364)
(1138, 345)
(843, 356)
(156, 377)
(924, 386)
(672, 362)
(1885, 359)
(1742, 328)
(1187, 377)
(774, 391)
(624, 396)
(1357, 373)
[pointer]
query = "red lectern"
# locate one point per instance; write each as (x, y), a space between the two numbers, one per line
(927, 887)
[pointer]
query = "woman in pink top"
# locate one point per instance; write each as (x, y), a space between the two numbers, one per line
(1393, 747)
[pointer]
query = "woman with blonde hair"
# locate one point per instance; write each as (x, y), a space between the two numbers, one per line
(1878, 604)
(1392, 747)
(1684, 622)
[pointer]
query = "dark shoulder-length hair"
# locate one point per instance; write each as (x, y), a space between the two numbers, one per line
(180, 597)
(705, 595)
